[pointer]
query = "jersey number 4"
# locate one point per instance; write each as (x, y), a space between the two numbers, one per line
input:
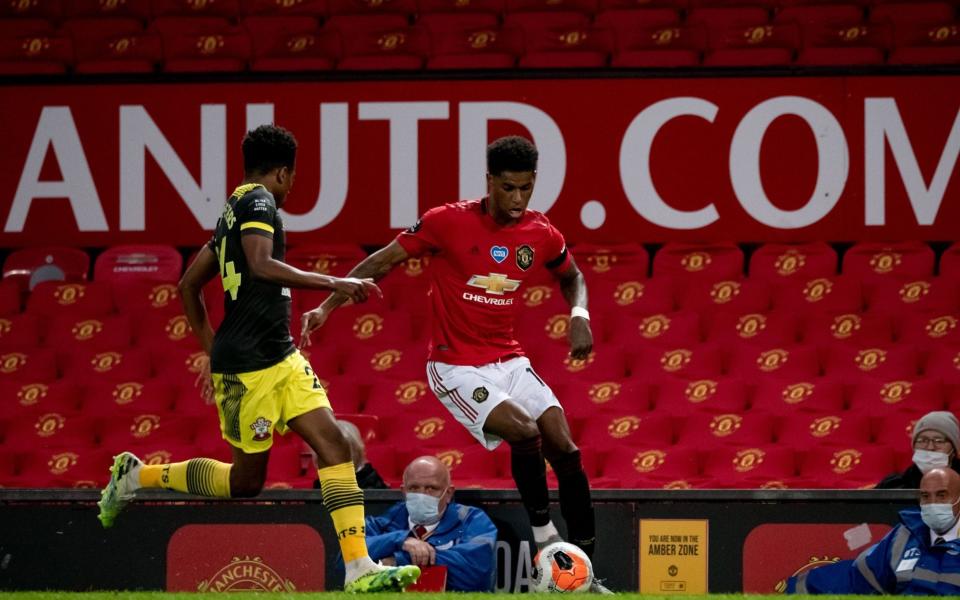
(228, 273)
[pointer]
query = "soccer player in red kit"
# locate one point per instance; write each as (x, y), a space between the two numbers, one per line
(483, 251)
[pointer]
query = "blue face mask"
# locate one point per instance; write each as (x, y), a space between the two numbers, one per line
(423, 509)
(938, 517)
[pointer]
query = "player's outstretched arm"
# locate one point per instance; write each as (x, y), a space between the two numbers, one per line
(259, 252)
(574, 289)
(373, 268)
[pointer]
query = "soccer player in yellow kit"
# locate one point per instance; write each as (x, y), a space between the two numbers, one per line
(260, 380)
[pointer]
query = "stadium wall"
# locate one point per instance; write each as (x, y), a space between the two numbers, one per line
(283, 540)
(779, 157)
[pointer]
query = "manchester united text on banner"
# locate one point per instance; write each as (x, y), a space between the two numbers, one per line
(673, 556)
(797, 158)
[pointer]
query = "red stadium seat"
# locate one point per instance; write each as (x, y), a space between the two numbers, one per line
(651, 465)
(663, 47)
(626, 19)
(25, 27)
(145, 298)
(312, 8)
(30, 10)
(19, 399)
(393, 362)
(536, 21)
(187, 25)
(294, 50)
(473, 48)
(934, 294)
(895, 429)
(821, 396)
(80, 333)
(853, 466)
(567, 48)
(90, 28)
(585, 398)
(442, 22)
(869, 329)
(879, 396)
(903, 13)
(727, 17)
(359, 7)
(127, 427)
(286, 468)
(949, 263)
(405, 288)
(803, 431)
(492, 7)
(21, 264)
(55, 298)
(20, 331)
(588, 7)
(931, 328)
(930, 45)
(671, 329)
(613, 262)
(390, 397)
(756, 45)
(834, 295)
(64, 468)
(206, 52)
(351, 25)
(158, 331)
(799, 362)
(826, 45)
(734, 296)
(615, 429)
(154, 262)
(396, 49)
(749, 467)
(366, 325)
(191, 8)
(885, 362)
(545, 327)
(464, 464)
(28, 366)
(872, 261)
(35, 55)
(778, 263)
(178, 365)
(943, 362)
(345, 394)
(708, 429)
(778, 328)
(427, 431)
(367, 425)
(135, 53)
(706, 262)
(688, 362)
(105, 399)
(108, 365)
(634, 296)
(138, 9)
(820, 14)
(554, 364)
(681, 397)
(45, 430)
(11, 299)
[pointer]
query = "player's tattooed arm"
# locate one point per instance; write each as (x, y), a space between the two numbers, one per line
(574, 289)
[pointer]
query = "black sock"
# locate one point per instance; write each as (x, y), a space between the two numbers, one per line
(530, 474)
(575, 504)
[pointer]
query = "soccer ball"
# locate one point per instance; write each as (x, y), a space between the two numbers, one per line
(563, 568)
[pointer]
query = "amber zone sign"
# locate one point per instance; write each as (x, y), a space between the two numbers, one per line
(673, 556)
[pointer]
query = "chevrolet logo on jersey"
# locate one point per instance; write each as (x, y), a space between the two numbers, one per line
(494, 283)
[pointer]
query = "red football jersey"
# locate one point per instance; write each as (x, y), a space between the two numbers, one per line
(477, 272)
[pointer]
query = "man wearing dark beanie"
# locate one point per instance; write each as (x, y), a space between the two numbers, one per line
(936, 437)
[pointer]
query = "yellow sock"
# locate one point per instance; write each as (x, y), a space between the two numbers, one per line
(344, 501)
(200, 476)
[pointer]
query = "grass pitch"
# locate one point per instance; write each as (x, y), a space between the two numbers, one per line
(343, 596)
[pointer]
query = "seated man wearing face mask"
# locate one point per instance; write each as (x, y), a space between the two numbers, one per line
(920, 556)
(936, 437)
(428, 528)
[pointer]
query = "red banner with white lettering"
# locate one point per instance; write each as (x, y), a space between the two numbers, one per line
(753, 159)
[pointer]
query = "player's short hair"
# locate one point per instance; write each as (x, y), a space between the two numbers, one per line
(268, 147)
(512, 153)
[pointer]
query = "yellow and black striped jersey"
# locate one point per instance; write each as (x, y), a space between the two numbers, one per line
(255, 333)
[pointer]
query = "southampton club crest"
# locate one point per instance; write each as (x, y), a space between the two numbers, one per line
(261, 429)
(524, 257)
(480, 395)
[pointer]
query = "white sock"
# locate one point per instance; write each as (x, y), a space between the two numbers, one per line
(544, 533)
(356, 568)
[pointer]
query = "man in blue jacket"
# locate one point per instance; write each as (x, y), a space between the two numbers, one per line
(428, 528)
(920, 556)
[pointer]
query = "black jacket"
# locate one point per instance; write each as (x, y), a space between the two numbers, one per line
(909, 479)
